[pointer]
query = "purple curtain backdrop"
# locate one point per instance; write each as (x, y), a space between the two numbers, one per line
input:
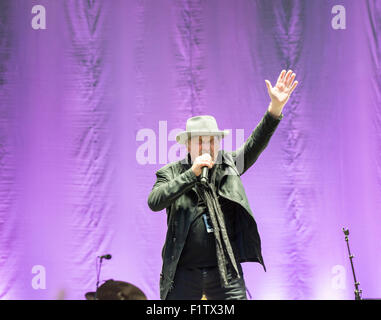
(89, 110)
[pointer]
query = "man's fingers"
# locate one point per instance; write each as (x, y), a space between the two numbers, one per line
(268, 84)
(290, 80)
(206, 163)
(281, 76)
(293, 86)
(210, 166)
(287, 77)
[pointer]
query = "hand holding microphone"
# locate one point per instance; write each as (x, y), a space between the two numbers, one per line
(201, 165)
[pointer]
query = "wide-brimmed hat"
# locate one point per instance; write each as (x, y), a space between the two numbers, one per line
(200, 126)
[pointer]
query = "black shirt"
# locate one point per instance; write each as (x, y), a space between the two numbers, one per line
(200, 246)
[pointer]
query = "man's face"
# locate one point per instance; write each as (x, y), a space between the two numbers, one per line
(198, 145)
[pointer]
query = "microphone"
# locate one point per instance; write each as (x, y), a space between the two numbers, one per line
(204, 175)
(106, 256)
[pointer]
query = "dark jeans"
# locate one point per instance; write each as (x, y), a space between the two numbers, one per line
(193, 283)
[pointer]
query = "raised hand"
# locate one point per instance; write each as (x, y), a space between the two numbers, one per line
(280, 93)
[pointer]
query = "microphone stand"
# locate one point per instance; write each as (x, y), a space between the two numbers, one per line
(98, 275)
(357, 291)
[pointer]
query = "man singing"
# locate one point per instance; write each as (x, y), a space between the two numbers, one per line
(211, 228)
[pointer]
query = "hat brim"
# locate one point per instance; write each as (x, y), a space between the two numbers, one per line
(182, 137)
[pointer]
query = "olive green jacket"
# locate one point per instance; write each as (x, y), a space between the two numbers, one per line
(174, 190)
